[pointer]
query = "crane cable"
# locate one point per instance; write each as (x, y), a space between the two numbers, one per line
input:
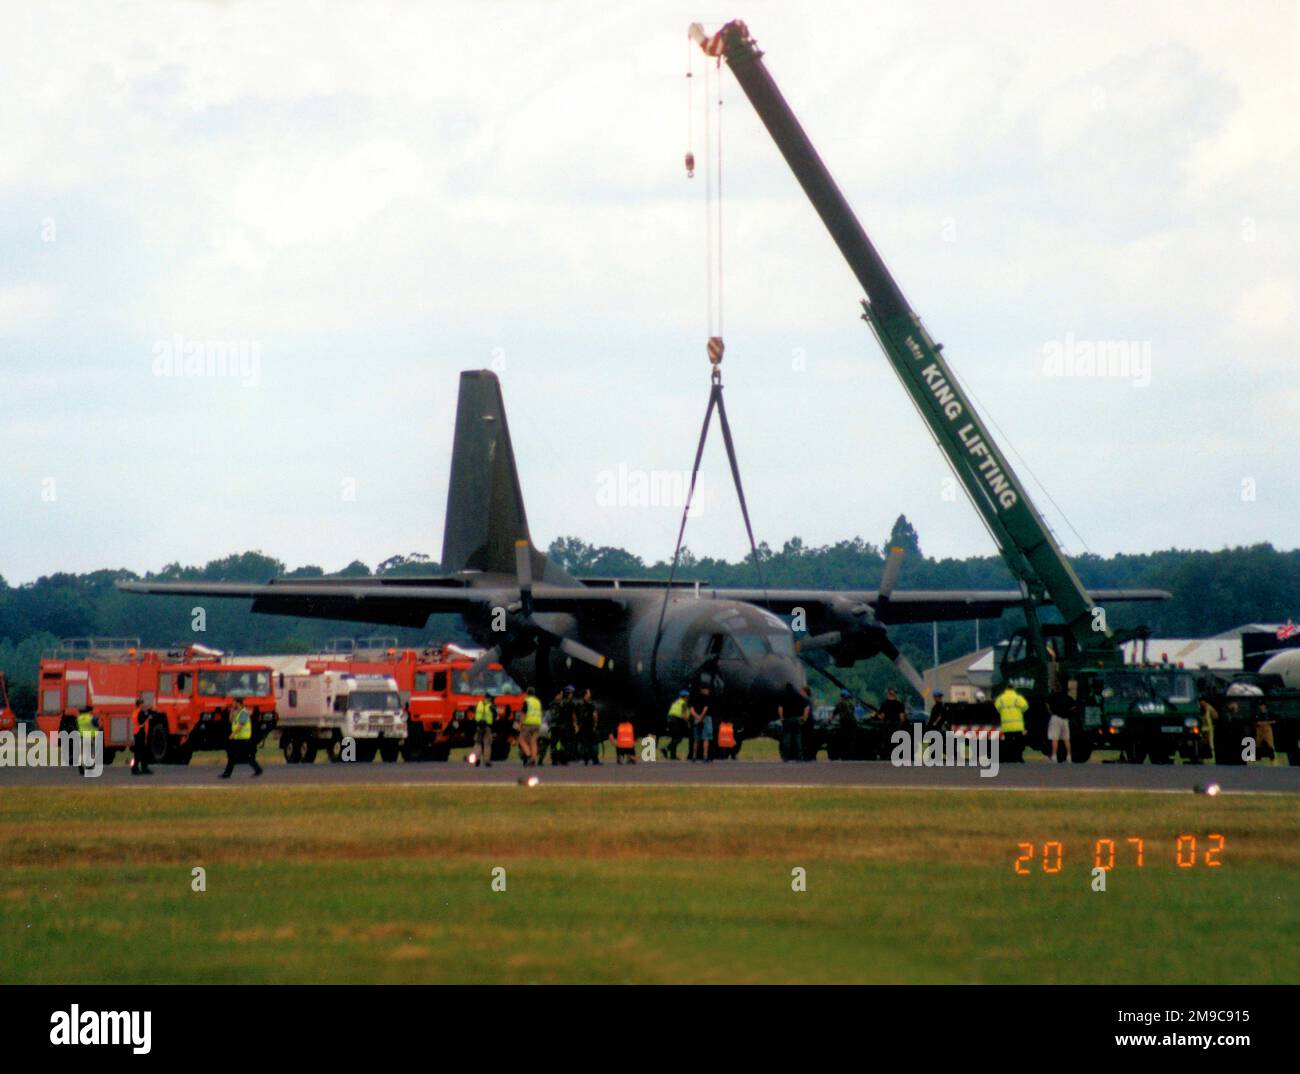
(715, 347)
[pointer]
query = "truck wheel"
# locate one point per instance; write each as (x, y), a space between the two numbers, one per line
(1293, 754)
(1161, 754)
(441, 753)
(109, 756)
(292, 749)
(412, 748)
(388, 750)
(366, 750)
(309, 749)
(1080, 747)
(159, 742)
(181, 755)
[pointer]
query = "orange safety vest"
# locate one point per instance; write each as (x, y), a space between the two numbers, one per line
(626, 736)
(726, 736)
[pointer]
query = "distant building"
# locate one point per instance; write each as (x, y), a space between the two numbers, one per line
(959, 679)
(1213, 654)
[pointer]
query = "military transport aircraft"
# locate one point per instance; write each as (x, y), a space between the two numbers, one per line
(617, 636)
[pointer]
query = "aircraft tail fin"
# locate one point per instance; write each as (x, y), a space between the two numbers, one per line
(485, 506)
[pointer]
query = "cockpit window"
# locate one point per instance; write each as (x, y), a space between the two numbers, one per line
(782, 644)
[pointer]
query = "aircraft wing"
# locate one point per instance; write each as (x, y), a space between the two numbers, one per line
(915, 605)
(410, 601)
(391, 602)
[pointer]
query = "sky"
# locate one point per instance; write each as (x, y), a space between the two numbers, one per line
(355, 202)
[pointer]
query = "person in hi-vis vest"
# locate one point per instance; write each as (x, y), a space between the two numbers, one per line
(240, 747)
(1012, 706)
(531, 728)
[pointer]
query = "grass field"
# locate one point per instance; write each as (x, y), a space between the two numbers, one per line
(645, 884)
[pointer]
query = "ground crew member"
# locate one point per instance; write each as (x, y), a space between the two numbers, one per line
(1058, 723)
(938, 719)
(564, 727)
(584, 713)
(1263, 729)
(892, 711)
(531, 728)
(677, 726)
(1208, 716)
(485, 714)
(625, 742)
(1012, 706)
(701, 725)
(846, 722)
(791, 713)
(140, 741)
(240, 747)
(87, 728)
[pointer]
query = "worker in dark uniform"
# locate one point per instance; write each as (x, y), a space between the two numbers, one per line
(564, 727)
(938, 719)
(893, 712)
(140, 741)
(240, 747)
(587, 722)
(503, 727)
(678, 729)
(845, 725)
(1262, 726)
(794, 712)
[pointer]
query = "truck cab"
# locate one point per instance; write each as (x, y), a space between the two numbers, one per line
(442, 698)
(191, 706)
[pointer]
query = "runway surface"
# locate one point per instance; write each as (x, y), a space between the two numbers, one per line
(875, 774)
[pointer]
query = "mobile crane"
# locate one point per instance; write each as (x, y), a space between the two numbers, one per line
(1139, 709)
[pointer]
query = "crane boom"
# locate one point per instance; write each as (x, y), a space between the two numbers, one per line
(1023, 537)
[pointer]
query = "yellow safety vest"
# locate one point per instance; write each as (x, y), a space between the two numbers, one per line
(678, 708)
(483, 712)
(86, 724)
(241, 725)
(533, 712)
(1011, 710)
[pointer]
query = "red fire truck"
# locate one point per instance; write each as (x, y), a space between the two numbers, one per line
(434, 685)
(187, 693)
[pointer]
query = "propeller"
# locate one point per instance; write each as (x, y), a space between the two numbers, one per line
(859, 634)
(889, 577)
(524, 633)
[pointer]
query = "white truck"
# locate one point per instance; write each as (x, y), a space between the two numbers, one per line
(322, 709)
